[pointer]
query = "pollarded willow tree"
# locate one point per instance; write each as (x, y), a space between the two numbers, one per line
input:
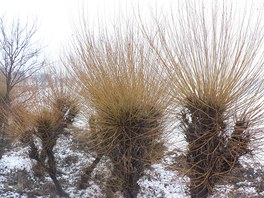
(127, 103)
(213, 54)
(44, 118)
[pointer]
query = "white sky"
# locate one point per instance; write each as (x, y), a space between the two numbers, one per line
(55, 17)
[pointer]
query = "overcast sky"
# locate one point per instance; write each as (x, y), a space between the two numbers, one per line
(55, 17)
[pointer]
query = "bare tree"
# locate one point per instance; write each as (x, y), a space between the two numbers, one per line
(19, 59)
(19, 54)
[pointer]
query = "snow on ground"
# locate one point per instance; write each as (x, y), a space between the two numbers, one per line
(17, 179)
(10, 164)
(160, 182)
(17, 159)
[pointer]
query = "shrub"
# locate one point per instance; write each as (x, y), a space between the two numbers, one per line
(19, 96)
(126, 103)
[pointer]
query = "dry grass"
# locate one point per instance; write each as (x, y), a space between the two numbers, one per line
(4, 138)
(215, 62)
(2, 122)
(1, 101)
(126, 103)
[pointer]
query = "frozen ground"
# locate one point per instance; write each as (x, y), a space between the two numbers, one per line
(17, 179)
